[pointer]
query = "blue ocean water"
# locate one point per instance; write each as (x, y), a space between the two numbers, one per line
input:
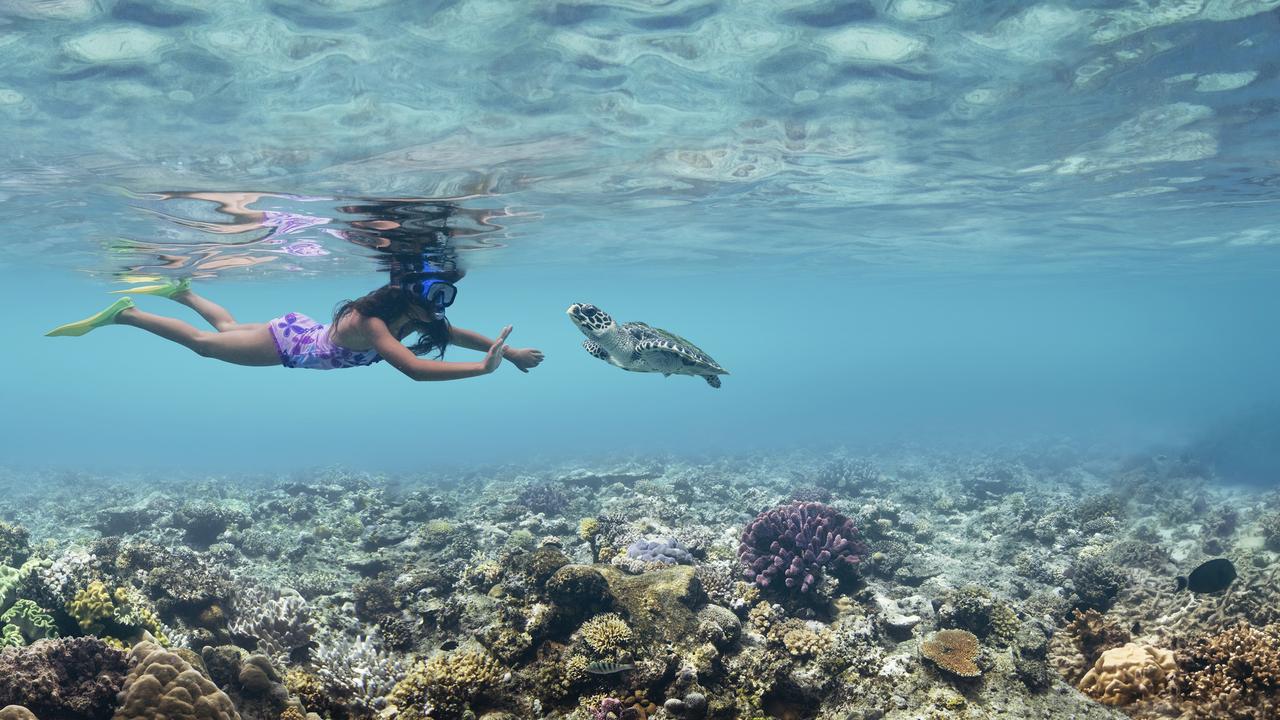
(911, 221)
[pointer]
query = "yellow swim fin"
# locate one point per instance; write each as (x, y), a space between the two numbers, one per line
(80, 327)
(167, 290)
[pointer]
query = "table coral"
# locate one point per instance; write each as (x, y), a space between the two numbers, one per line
(1127, 674)
(954, 651)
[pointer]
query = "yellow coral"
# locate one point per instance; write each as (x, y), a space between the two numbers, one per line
(588, 528)
(1129, 673)
(91, 606)
(445, 683)
(606, 633)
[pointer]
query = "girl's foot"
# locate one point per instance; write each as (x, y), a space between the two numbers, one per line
(93, 322)
(167, 290)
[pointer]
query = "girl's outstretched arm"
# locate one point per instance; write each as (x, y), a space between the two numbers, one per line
(523, 358)
(403, 359)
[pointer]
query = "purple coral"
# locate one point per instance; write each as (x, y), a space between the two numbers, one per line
(609, 708)
(797, 543)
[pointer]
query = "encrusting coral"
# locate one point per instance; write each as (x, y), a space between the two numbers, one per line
(163, 686)
(1127, 674)
(954, 651)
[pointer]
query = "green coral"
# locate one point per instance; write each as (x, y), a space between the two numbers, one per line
(11, 636)
(91, 606)
(442, 686)
(30, 622)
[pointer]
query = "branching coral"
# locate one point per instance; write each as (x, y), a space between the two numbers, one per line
(280, 625)
(359, 671)
(444, 685)
(1127, 674)
(793, 545)
(607, 633)
(954, 651)
(1234, 674)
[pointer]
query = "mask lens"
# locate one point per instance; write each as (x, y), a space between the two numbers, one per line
(441, 293)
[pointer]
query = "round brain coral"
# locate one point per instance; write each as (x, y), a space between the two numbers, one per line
(1129, 673)
(794, 545)
(954, 651)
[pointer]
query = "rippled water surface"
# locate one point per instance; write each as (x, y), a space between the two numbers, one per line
(883, 132)
(907, 219)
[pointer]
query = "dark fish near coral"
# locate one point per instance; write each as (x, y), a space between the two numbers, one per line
(601, 667)
(1211, 577)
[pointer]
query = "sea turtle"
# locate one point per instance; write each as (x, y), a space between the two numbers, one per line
(639, 347)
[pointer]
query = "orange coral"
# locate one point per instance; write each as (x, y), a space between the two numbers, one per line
(954, 651)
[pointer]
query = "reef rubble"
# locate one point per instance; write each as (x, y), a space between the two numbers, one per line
(1035, 582)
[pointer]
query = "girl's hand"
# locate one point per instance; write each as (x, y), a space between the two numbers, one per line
(524, 358)
(493, 358)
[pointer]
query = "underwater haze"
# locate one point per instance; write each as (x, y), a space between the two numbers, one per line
(969, 312)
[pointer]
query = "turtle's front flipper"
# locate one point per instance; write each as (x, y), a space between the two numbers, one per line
(712, 380)
(595, 350)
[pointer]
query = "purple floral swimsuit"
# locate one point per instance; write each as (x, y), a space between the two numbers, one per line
(305, 343)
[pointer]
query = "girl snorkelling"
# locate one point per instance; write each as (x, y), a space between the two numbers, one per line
(363, 332)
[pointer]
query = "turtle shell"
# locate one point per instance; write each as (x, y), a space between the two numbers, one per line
(651, 339)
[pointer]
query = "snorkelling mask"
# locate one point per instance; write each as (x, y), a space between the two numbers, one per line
(438, 293)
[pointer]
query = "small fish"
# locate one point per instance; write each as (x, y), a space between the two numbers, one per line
(602, 667)
(1210, 577)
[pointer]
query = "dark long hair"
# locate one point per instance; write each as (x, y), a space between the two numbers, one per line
(391, 302)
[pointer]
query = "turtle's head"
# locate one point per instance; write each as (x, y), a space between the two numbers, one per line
(591, 320)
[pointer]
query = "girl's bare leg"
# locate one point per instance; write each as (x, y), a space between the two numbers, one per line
(248, 346)
(213, 313)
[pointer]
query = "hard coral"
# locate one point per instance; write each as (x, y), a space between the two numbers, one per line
(953, 651)
(1234, 674)
(71, 678)
(606, 633)
(1127, 674)
(794, 545)
(15, 544)
(444, 685)
(163, 686)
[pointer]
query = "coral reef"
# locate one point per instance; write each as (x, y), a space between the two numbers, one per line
(1001, 585)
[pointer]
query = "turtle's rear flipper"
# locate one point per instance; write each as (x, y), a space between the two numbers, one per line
(712, 380)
